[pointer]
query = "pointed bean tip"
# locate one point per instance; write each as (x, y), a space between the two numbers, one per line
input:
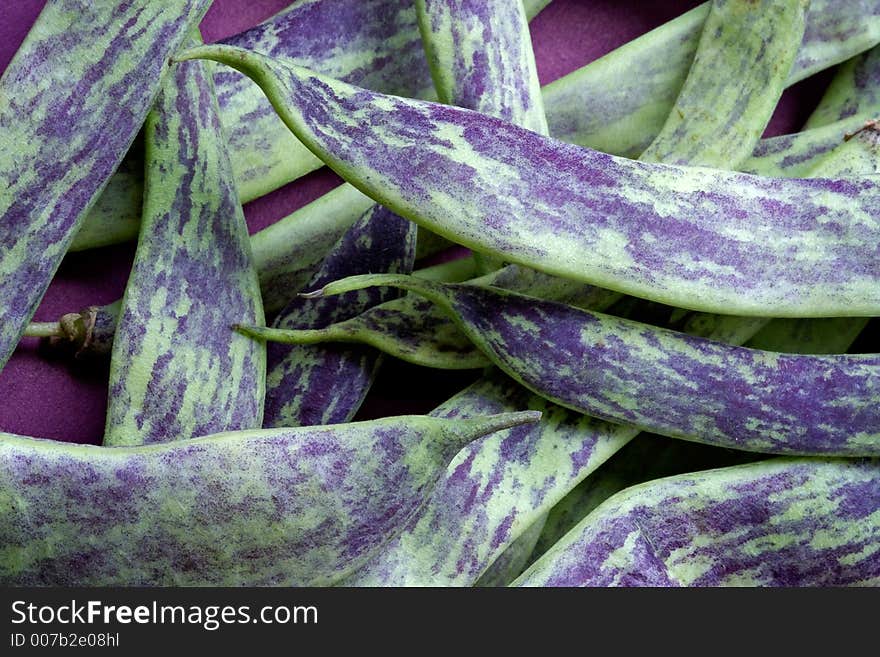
(509, 420)
(314, 294)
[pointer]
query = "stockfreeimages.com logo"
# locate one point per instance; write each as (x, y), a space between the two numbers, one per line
(210, 617)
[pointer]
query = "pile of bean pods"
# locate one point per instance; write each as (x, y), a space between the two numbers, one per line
(656, 304)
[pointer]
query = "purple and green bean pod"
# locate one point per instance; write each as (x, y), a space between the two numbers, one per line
(599, 105)
(783, 522)
(686, 236)
(300, 506)
(176, 371)
(69, 109)
(420, 336)
(663, 381)
(415, 330)
(650, 457)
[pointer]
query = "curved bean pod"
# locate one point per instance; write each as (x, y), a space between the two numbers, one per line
(648, 458)
(696, 238)
(743, 59)
(385, 55)
(784, 522)
(192, 274)
(409, 329)
(662, 381)
(60, 141)
(266, 507)
(584, 107)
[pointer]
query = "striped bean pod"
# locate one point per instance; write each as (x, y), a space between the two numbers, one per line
(415, 331)
(662, 381)
(649, 457)
(60, 141)
(410, 329)
(302, 506)
(784, 522)
(584, 107)
(643, 459)
(176, 370)
(446, 29)
(690, 237)
(310, 384)
(744, 56)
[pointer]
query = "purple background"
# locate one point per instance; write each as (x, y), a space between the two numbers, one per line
(53, 399)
